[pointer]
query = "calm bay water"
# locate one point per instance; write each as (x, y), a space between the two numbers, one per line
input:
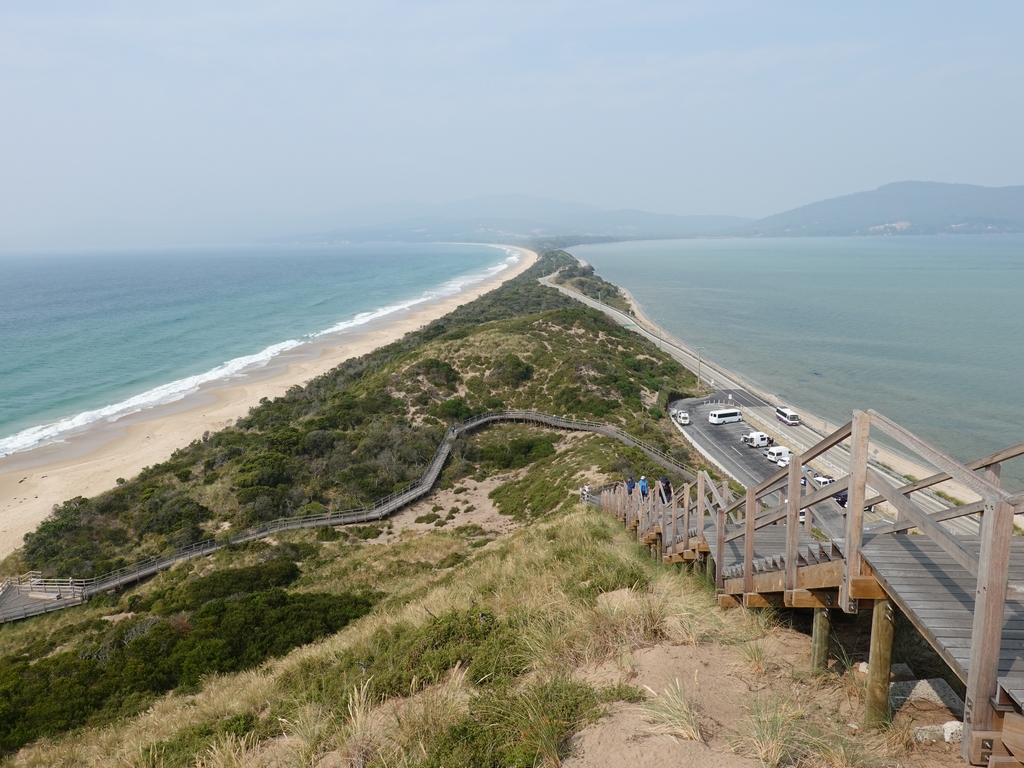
(927, 330)
(91, 336)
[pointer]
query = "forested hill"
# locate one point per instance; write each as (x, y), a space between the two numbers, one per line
(902, 208)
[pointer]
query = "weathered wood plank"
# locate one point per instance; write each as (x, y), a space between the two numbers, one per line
(855, 506)
(910, 512)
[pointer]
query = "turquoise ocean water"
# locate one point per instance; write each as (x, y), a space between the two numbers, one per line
(86, 337)
(927, 330)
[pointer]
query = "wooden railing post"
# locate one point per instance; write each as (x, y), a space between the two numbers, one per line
(793, 524)
(675, 522)
(720, 550)
(748, 541)
(855, 507)
(700, 508)
(686, 518)
(987, 630)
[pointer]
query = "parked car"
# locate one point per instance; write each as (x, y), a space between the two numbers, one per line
(784, 461)
(822, 480)
(843, 498)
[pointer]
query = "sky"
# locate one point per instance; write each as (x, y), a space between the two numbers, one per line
(205, 121)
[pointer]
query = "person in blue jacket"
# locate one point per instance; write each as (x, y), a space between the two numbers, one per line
(644, 488)
(630, 485)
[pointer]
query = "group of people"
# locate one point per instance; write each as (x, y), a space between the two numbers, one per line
(664, 486)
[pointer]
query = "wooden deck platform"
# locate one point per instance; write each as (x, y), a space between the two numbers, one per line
(965, 595)
(937, 594)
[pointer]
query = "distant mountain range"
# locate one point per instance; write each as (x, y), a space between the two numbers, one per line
(512, 218)
(902, 208)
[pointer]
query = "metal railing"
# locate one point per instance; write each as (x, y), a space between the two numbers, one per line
(75, 590)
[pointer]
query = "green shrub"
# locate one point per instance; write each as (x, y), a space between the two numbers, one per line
(189, 595)
(365, 532)
(518, 728)
(453, 410)
(451, 560)
(512, 371)
(518, 452)
(399, 654)
(327, 533)
(438, 373)
(428, 518)
(149, 656)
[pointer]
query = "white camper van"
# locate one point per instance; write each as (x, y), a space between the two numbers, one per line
(683, 418)
(757, 440)
(778, 453)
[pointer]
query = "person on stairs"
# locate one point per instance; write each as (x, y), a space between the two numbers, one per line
(644, 488)
(665, 489)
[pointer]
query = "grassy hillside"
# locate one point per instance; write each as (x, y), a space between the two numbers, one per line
(371, 426)
(349, 437)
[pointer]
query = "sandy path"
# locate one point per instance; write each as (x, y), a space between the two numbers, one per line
(87, 464)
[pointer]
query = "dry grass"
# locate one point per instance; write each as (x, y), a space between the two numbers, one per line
(775, 734)
(582, 591)
(757, 658)
(673, 713)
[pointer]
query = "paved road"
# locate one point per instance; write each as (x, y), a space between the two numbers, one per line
(749, 466)
(759, 415)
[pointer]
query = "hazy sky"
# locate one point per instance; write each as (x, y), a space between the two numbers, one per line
(191, 120)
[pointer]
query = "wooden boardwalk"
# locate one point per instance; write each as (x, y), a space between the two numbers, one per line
(785, 544)
(937, 594)
(22, 597)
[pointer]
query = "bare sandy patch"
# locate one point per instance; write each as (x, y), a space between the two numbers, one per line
(472, 504)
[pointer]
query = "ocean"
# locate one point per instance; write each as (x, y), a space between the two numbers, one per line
(93, 336)
(926, 330)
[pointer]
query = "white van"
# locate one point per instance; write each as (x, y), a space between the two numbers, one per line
(683, 418)
(725, 416)
(778, 452)
(757, 440)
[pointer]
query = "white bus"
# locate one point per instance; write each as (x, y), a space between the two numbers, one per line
(787, 416)
(725, 416)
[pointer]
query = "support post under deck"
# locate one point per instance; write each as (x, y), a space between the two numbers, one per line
(876, 705)
(820, 640)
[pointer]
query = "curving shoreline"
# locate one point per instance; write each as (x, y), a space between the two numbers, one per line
(721, 377)
(89, 463)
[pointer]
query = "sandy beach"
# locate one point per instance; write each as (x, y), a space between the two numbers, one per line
(33, 481)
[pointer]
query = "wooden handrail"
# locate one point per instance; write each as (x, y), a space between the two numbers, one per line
(957, 471)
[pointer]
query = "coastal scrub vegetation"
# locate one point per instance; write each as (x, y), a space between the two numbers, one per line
(581, 277)
(371, 426)
(456, 661)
